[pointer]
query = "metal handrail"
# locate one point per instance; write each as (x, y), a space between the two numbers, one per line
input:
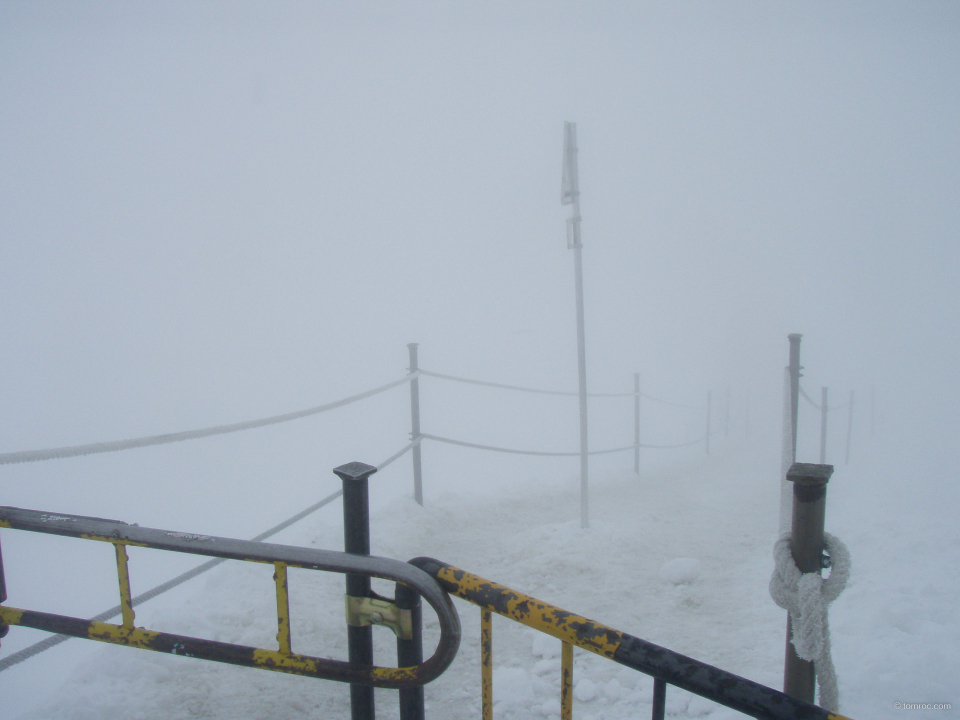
(666, 666)
(121, 535)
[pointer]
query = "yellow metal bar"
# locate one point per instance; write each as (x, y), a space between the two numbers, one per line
(527, 610)
(486, 665)
(123, 574)
(566, 682)
(283, 607)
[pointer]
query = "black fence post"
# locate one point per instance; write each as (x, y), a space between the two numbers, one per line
(356, 540)
(410, 652)
(415, 423)
(806, 545)
(4, 629)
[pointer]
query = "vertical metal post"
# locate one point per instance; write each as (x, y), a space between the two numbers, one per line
(570, 194)
(726, 415)
(709, 409)
(824, 408)
(415, 423)
(410, 652)
(566, 681)
(356, 540)
(659, 699)
(636, 423)
(795, 376)
(806, 544)
(849, 428)
(486, 665)
(4, 629)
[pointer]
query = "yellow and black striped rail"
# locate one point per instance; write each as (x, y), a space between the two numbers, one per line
(283, 659)
(665, 666)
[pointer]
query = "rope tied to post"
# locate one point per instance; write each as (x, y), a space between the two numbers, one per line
(806, 597)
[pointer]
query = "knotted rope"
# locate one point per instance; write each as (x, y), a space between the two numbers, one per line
(806, 597)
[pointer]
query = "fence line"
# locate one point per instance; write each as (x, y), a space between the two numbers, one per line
(819, 407)
(478, 446)
(54, 640)
(487, 383)
(116, 445)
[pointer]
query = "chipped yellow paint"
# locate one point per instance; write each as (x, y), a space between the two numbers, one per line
(123, 575)
(283, 607)
(120, 635)
(4, 524)
(486, 665)
(10, 616)
(550, 619)
(566, 682)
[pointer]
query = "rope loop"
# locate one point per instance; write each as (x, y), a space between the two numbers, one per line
(806, 597)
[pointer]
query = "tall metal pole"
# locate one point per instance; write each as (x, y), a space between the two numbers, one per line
(415, 424)
(636, 423)
(570, 195)
(824, 408)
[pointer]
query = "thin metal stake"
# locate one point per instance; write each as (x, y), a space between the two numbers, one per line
(410, 652)
(486, 665)
(659, 699)
(566, 681)
(415, 424)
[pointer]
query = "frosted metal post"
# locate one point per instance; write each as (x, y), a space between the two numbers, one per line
(824, 408)
(806, 545)
(795, 376)
(636, 423)
(415, 424)
(570, 195)
(849, 428)
(709, 407)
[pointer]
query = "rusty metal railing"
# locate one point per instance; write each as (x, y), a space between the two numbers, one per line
(665, 666)
(282, 659)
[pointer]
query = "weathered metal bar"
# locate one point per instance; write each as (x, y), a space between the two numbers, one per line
(486, 665)
(123, 576)
(566, 681)
(283, 608)
(410, 651)
(659, 699)
(112, 531)
(415, 424)
(806, 544)
(725, 688)
(4, 629)
(356, 541)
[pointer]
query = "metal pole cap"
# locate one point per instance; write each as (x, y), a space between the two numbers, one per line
(354, 471)
(809, 473)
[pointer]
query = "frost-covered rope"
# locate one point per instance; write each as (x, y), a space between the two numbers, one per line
(806, 597)
(519, 387)
(54, 640)
(678, 445)
(523, 452)
(668, 402)
(113, 446)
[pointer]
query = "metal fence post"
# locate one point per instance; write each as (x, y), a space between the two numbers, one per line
(636, 423)
(795, 376)
(824, 408)
(709, 403)
(415, 423)
(4, 629)
(849, 429)
(806, 544)
(356, 540)
(410, 652)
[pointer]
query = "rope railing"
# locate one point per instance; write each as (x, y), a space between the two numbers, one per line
(116, 445)
(503, 386)
(478, 446)
(54, 640)
(806, 397)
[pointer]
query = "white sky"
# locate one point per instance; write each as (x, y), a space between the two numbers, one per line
(212, 213)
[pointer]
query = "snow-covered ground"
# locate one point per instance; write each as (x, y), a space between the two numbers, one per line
(680, 556)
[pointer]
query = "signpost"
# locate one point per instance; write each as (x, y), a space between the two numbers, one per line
(570, 195)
